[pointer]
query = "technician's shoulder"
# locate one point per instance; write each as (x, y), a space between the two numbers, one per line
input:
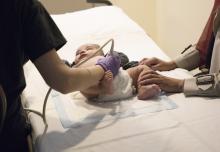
(18, 7)
(21, 6)
(18, 3)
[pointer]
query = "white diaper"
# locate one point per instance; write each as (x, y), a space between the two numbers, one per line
(122, 87)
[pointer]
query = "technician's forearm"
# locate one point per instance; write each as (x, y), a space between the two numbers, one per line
(75, 79)
(206, 85)
(81, 79)
(189, 60)
(64, 79)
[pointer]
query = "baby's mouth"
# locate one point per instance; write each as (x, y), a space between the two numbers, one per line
(82, 56)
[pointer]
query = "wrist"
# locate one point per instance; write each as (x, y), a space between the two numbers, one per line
(172, 65)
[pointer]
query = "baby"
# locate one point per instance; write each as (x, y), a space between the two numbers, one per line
(123, 85)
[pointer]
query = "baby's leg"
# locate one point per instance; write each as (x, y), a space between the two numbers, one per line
(148, 91)
(144, 92)
(106, 82)
(135, 73)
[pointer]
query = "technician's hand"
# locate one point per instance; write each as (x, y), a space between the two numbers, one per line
(110, 62)
(165, 83)
(157, 64)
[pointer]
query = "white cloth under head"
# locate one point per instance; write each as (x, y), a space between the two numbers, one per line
(122, 87)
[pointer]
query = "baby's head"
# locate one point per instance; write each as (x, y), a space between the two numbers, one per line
(87, 50)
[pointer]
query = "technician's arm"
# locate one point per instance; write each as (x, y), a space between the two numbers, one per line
(65, 79)
(207, 85)
(189, 60)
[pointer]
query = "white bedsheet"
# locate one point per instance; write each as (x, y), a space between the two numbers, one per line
(193, 126)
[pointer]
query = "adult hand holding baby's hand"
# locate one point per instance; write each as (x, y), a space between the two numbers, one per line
(110, 62)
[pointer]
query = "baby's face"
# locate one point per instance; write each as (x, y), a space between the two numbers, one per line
(85, 51)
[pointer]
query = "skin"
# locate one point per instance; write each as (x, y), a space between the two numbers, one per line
(151, 77)
(105, 86)
(85, 51)
(64, 79)
(143, 91)
(157, 64)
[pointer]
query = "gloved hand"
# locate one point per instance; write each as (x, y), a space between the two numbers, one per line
(110, 62)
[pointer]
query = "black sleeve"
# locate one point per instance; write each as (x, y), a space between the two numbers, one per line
(40, 33)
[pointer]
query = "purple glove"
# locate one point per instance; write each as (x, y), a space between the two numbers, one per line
(110, 62)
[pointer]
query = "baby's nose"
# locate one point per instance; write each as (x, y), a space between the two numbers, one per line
(82, 51)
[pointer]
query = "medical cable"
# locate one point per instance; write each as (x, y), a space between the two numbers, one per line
(43, 114)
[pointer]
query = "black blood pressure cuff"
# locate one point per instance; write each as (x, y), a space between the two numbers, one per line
(130, 65)
(203, 85)
(123, 57)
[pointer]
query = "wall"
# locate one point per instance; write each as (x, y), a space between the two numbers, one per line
(180, 22)
(141, 11)
(172, 24)
(63, 6)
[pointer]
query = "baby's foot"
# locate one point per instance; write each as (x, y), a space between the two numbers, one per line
(148, 91)
(107, 82)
